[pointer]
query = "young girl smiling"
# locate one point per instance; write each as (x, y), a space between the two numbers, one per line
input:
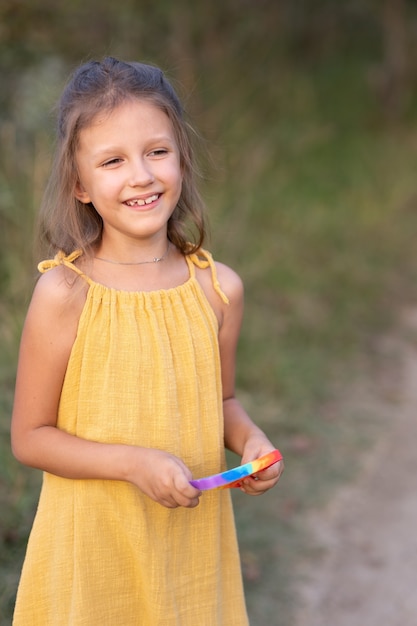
(125, 387)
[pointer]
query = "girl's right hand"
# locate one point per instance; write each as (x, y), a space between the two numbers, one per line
(163, 477)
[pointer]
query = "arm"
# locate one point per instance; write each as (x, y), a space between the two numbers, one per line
(47, 339)
(241, 435)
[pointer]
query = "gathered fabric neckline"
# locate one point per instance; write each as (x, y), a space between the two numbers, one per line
(201, 259)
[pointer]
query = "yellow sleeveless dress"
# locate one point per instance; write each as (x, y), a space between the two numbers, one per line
(144, 370)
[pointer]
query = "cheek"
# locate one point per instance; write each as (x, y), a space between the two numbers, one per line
(171, 176)
(175, 175)
(103, 186)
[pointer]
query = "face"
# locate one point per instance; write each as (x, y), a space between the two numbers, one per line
(129, 169)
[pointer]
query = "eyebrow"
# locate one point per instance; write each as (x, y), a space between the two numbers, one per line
(114, 149)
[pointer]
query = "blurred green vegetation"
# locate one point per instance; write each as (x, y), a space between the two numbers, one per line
(309, 113)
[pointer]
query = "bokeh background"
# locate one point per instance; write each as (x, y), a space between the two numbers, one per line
(309, 111)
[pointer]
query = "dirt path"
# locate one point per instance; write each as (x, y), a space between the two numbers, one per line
(365, 573)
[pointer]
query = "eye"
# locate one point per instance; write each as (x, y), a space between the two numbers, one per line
(111, 162)
(158, 152)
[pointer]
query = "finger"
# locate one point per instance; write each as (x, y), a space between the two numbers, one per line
(177, 499)
(184, 493)
(272, 472)
(249, 488)
(184, 501)
(189, 498)
(169, 503)
(255, 485)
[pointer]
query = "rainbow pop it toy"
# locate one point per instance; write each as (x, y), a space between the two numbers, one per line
(233, 477)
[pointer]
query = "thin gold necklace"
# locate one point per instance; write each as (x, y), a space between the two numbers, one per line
(156, 259)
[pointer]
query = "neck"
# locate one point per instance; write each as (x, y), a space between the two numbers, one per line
(155, 259)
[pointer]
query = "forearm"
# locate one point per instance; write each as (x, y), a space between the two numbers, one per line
(50, 449)
(161, 476)
(238, 427)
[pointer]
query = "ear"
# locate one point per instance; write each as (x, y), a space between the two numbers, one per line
(81, 194)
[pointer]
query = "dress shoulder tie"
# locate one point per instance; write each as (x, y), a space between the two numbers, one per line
(203, 259)
(62, 259)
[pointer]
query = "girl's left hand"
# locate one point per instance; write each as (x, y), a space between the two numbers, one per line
(260, 482)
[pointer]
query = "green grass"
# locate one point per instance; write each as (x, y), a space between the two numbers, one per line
(313, 202)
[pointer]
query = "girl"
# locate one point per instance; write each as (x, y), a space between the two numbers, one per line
(125, 385)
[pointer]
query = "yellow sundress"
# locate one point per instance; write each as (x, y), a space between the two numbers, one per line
(144, 370)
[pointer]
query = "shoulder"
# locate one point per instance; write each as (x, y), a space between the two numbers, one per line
(230, 282)
(51, 323)
(58, 299)
(232, 286)
(60, 287)
(211, 270)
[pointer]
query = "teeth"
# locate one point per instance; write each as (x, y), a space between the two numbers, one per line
(140, 202)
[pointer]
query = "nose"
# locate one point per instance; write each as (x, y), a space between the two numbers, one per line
(141, 174)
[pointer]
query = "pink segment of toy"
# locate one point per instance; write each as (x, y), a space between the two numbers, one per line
(233, 477)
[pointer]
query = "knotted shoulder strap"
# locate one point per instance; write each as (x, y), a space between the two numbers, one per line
(203, 259)
(62, 259)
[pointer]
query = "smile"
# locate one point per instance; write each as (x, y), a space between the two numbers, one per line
(142, 201)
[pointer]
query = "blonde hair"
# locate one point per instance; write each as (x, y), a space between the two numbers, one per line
(67, 224)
